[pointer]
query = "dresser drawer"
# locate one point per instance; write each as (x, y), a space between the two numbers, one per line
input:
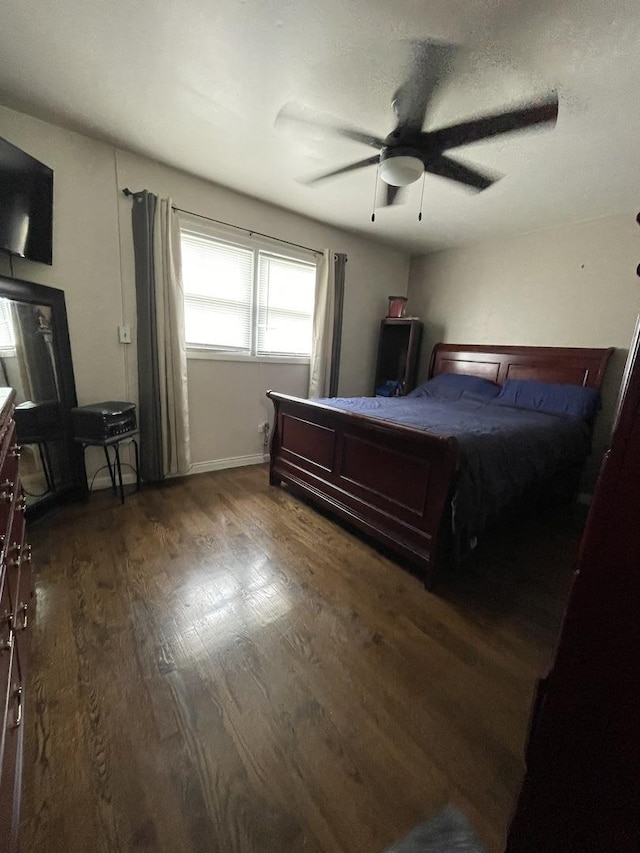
(15, 587)
(7, 649)
(16, 558)
(12, 751)
(7, 436)
(12, 668)
(18, 573)
(9, 456)
(25, 601)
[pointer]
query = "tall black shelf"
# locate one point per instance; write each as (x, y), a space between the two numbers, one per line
(398, 352)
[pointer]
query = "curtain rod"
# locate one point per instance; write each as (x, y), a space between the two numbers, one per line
(249, 231)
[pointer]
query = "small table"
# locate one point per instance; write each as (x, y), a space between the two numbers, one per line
(115, 470)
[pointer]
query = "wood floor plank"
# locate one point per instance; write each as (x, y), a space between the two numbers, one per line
(219, 668)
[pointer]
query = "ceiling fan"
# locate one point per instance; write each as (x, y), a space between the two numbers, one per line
(408, 152)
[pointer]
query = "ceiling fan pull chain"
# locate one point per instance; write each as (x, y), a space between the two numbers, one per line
(375, 192)
(424, 175)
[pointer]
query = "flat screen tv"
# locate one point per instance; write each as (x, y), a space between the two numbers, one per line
(26, 205)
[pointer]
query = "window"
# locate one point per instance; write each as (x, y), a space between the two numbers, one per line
(7, 340)
(242, 298)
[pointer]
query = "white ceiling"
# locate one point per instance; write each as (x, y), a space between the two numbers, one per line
(198, 84)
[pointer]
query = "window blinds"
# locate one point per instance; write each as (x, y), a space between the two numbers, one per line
(285, 305)
(244, 299)
(218, 283)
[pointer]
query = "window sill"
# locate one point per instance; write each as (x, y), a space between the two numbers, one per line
(214, 355)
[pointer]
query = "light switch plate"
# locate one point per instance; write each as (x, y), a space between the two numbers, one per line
(124, 333)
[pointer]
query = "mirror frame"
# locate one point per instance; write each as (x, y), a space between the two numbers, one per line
(41, 294)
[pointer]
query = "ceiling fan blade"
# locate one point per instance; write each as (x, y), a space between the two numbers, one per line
(447, 167)
(393, 195)
(290, 113)
(544, 112)
(351, 167)
(430, 64)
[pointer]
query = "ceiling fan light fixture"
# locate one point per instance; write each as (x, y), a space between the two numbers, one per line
(401, 170)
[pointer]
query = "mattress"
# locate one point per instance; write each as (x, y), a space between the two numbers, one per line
(503, 451)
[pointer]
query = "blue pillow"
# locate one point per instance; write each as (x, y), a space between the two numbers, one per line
(573, 400)
(451, 386)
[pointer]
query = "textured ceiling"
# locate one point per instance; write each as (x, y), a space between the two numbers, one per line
(198, 85)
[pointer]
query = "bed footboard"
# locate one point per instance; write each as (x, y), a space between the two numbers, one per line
(392, 482)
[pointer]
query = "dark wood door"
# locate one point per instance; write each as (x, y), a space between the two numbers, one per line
(581, 791)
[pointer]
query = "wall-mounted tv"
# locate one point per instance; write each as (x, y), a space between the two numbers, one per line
(26, 205)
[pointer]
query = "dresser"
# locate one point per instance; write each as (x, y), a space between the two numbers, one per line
(15, 618)
(581, 790)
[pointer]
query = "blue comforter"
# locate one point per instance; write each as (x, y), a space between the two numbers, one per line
(503, 450)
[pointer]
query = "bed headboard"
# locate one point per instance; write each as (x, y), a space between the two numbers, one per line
(565, 365)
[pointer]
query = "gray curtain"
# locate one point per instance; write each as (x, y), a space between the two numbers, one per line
(149, 409)
(340, 262)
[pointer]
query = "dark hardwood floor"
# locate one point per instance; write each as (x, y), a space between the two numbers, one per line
(218, 667)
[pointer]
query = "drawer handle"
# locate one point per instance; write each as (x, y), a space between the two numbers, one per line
(15, 450)
(4, 494)
(7, 645)
(22, 554)
(18, 720)
(23, 609)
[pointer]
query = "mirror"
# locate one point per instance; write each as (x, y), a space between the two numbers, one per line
(35, 360)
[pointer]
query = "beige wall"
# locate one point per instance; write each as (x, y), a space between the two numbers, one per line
(570, 286)
(93, 264)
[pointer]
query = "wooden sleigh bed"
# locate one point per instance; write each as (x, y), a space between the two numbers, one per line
(395, 482)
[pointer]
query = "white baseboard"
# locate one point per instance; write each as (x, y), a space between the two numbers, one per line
(584, 498)
(231, 462)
